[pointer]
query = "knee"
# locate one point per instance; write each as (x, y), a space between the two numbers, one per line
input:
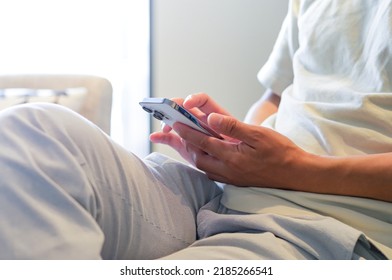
(31, 112)
(45, 117)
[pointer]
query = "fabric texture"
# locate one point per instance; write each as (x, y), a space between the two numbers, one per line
(332, 67)
(70, 192)
(79, 195)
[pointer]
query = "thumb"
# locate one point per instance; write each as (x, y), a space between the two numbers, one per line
(230, 126)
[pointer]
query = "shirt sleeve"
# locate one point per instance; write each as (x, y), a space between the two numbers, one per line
(277, 72)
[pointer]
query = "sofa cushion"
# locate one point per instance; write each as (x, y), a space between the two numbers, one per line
(72, 98)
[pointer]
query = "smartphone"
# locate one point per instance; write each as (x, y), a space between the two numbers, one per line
(170, 112)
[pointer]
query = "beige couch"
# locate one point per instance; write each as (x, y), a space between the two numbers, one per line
(90, 96)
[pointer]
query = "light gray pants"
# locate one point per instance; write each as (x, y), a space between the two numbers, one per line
(67, 191)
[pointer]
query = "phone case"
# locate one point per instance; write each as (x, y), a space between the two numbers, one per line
(170, 112)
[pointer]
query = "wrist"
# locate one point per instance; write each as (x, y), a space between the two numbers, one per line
(310, 172)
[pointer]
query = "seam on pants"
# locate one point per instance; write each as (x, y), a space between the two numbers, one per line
(108, 189)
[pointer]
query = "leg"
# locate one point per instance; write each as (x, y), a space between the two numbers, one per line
(229, 234)
(69, 192)
(241, 246)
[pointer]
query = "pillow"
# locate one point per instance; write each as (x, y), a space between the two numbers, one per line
(72, 98)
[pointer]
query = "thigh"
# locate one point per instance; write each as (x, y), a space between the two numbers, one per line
(229, 234)
(154, 207)
(83, 196)
(241, 246)
(259, 246)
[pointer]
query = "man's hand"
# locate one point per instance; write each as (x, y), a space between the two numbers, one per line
(258, 157)
(201, 106)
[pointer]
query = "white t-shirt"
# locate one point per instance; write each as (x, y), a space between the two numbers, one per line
(332, 66)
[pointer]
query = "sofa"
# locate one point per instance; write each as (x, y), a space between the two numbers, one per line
(88, 95)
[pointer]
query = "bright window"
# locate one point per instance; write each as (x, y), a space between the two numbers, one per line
(109, 38)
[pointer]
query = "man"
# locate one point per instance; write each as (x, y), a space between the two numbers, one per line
(312, 182)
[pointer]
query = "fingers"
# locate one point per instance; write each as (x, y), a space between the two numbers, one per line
(165, 128)
(209, 145)
(166, 138)
(216, 168)
(233, 128)
(211, 165)
(175, 142)
(204, 103)
(178, 100)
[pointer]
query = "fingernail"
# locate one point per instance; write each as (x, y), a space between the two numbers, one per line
(215, 119)
(188, 97)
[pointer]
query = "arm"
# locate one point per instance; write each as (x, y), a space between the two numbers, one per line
(265, 158)
(367, 176)
(267, 105)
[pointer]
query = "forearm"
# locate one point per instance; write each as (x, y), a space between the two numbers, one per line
(265, 158)
(267, 105)
(368, 176)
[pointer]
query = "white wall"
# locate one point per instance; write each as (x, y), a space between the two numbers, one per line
(214, 46)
